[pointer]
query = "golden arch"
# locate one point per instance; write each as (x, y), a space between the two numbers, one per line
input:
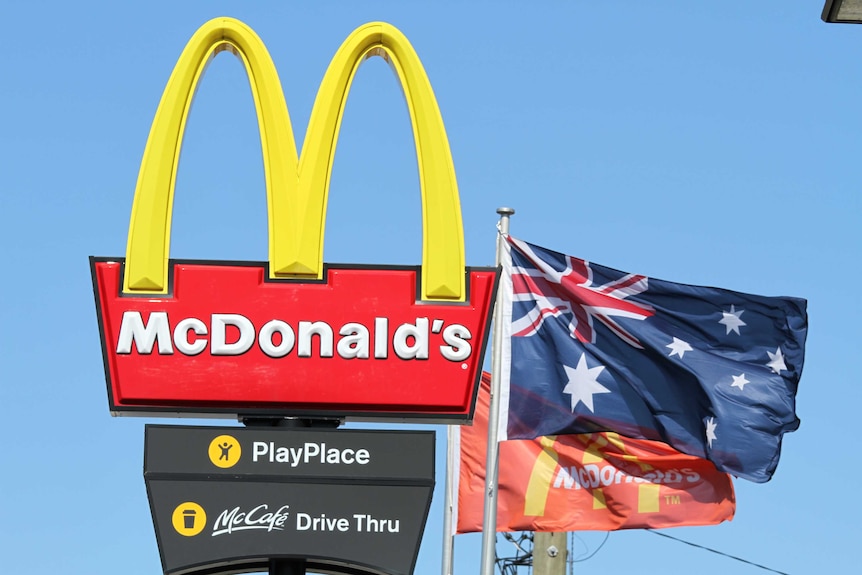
(539, 485)
(542, 474)
(297, 188)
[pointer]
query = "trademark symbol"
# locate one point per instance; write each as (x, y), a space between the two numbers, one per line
(672, 499)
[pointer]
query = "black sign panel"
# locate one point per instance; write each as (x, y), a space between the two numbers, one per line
(227, 498)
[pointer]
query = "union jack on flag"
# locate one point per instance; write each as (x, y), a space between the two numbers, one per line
(708, 371)
(571, 293)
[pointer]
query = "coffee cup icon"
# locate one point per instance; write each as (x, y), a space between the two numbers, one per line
(189, 519)
(189, 516)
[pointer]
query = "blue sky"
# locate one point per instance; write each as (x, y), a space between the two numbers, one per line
(706, 143)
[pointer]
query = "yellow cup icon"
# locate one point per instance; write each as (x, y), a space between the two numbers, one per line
(189, 519)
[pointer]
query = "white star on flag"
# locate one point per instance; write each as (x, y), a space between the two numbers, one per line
(731, 320)
(776, 361)
(678, 347)
(739, 381)
(710, 430)
(583, 383)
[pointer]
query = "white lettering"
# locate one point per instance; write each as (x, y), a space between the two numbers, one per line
(354, 344)
(258, 448)
(312, 450)
(307, 330)
(282, 455)
(265, 339)
(381, 338)
(418, 333)
(219, 345)
(181, 336)
(691, 476)
(133, 329)
(458, 348)
(362, 456)
(564, 479)
(232, 520)
(592, 476)
(305, 522)
(607, 475)
(308, 453)
(369, 524)
(296, 454)
(231, 334)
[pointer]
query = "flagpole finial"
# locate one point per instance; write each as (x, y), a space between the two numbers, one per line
(503, 225)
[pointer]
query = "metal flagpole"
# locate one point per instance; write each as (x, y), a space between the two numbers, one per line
(489, 525)
(448, 531)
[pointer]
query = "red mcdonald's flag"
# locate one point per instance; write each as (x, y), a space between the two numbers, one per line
(598, 481)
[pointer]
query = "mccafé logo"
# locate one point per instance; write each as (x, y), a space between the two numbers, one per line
(294, 336)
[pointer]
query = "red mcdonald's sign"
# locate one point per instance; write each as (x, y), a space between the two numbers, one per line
(293, 336)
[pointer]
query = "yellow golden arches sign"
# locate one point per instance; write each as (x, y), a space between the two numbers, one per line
(294, 337)
(546, 465)
(297, 187)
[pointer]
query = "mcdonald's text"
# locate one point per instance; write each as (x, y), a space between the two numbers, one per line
(277, 339)
(592, 476)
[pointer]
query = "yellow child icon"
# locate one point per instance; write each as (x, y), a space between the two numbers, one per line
(224, 451)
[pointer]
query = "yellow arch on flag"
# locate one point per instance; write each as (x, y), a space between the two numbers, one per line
(545, 465)
(539, 484)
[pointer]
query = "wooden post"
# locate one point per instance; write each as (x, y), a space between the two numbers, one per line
(549, 553)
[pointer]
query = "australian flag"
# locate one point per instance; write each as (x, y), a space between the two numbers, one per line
(709, 371)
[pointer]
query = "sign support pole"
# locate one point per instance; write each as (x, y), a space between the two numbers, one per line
(287, 567)
(489, 525)
(448, 503)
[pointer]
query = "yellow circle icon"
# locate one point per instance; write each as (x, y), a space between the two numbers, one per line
(224, 451)
(189, 519)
